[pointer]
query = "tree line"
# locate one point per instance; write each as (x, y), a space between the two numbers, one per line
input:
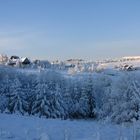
(51, 94)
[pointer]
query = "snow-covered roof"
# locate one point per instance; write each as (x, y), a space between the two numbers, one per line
(23, 59)
(14, 57)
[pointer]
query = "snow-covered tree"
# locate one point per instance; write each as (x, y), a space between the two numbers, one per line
(57, 105)
(68, 101)
(17, 101)
(125, 105)
(41, 105)
(102, 94)
(84, 106)
(90, 94)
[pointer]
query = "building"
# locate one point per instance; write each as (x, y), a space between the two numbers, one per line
(14, 57)
(25, 61)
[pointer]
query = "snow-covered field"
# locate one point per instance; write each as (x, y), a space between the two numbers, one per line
(14, 127)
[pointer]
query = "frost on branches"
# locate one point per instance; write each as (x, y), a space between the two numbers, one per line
(51, 94)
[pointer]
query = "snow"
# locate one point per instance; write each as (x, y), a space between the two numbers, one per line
(31, 128)
(108, 92)
(75, 66)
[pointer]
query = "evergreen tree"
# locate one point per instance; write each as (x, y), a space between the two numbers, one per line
(68, 101)
(17, 101)
(4, 93)
(84, 108)
(75, 95)
(41, 105)
(125, 105)
(30, 92)
(90, 94)
(57, 103)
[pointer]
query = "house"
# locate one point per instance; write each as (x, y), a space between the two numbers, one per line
(17, 61)
(69, 66)
(14, 57)
(13, 60)
(11, 63)
(127, 67)
(25, 61)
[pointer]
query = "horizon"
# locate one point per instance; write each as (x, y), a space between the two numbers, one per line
(88, 60)
(61, 30)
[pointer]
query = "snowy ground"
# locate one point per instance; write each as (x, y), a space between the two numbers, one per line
(16, 127)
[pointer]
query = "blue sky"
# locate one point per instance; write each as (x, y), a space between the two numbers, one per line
(62, 29)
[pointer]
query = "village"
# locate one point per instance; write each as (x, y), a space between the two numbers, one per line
(14, 60)
(73, 66)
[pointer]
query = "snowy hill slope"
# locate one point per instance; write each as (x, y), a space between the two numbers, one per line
(15, 127)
